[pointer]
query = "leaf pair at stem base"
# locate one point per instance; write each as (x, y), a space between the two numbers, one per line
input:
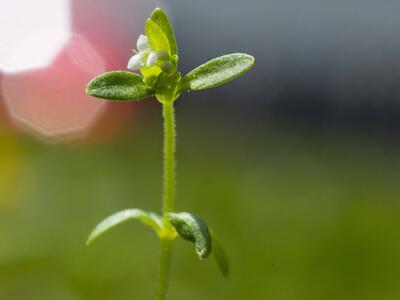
(190, 227)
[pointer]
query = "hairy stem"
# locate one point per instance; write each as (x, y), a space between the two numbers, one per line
(168, 199)
(169, 157)
(165, 263)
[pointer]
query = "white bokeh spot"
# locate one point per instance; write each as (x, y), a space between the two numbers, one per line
(33, 33)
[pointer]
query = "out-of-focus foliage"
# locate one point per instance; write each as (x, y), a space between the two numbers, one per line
(304, 215)
(9, 164)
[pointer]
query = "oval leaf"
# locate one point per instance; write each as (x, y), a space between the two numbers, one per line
(192, 228)
(220, 255)
(148, 218)
(217, 71)
(157, 37)
(119, 85)
(161, 19)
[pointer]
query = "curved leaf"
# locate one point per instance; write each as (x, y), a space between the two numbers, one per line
(192, 228)
(157, 37)
(119, 85)
(161, 19)
(217, 71)
(220, 255)
(148, 218)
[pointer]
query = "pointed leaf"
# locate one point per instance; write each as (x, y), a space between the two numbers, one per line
(119, 85)
(219, 255)
(148, 218)
(192, 228)
(161, 19)
(157, 37)
(217, 71)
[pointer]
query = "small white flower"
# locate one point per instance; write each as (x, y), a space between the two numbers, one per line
(143, 44)
(144, 56)
(152, 59)
(136, 62)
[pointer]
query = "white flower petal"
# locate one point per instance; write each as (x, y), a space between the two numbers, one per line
(143, 44)
(152, 59)
(136, 62)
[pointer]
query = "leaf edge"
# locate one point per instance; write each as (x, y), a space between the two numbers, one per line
(147, 218)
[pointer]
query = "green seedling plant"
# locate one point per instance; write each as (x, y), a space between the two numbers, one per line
(156, 58)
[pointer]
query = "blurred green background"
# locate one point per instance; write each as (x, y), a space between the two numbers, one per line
(304, 214)
(296, 165)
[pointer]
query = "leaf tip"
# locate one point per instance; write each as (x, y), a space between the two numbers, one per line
(225, 273)
(157, 10)
(90, 240)
(89, 87)
(249, 58)
(220, 256)
(252, 60)
(149, 20)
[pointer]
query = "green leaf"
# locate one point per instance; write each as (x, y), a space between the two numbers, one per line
(150, 75)
(217, 71)
(151, 71)
(157, 37)
(192, 228)
(161, 19)
(148, 218)
(119, 85)
(219, 255)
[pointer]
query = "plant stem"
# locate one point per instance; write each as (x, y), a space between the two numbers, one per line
(165, 263)
(169, 157)
(168, 198)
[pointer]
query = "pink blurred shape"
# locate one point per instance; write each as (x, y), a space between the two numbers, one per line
(52, 101)
(49, 51)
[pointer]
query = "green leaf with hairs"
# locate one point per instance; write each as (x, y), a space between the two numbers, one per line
(157, 37)
(161, 19)
(216, 72)
(148, 218)
(119, 86)
(192, 228)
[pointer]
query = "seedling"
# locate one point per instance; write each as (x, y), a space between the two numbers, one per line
(156, 58)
